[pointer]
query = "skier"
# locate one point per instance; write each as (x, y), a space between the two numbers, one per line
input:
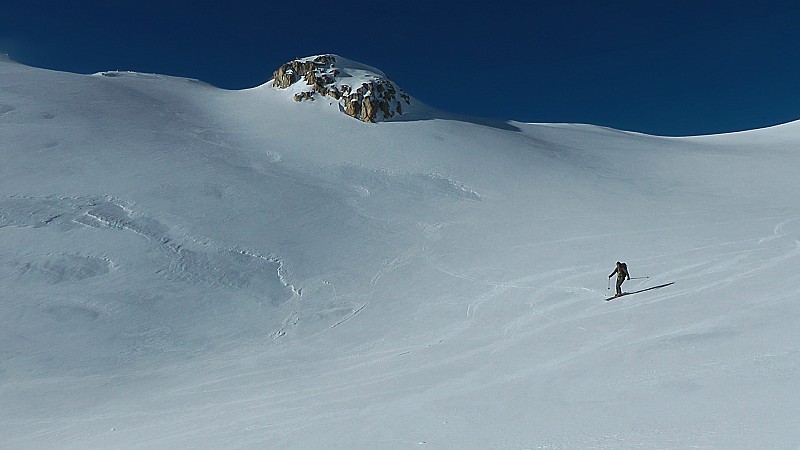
(622, 273)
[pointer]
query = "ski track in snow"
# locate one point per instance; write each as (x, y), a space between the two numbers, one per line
(708, 261)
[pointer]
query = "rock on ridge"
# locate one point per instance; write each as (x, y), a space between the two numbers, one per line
(362, 92)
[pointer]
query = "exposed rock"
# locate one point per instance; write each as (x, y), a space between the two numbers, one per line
(367, 110)
(284, 77)
(377, 98)
(384, 107)
(352, 107)
(300, 96)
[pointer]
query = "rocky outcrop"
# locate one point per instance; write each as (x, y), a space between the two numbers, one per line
(376, 98)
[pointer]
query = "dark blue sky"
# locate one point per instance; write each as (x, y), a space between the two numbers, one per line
(663, 67)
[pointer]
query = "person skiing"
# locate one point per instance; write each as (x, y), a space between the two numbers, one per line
(622, 273)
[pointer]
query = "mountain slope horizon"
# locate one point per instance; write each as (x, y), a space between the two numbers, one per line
(187, 266)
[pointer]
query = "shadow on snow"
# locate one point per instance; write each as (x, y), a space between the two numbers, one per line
(642, 290)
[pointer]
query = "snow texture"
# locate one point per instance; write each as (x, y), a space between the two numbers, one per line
(187, 267)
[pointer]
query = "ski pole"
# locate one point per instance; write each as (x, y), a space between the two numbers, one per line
(609, 282)
(639, 278)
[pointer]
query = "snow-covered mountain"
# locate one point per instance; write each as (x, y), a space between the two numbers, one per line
(188, 267)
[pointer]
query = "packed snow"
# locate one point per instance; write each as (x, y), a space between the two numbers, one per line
(187, 267)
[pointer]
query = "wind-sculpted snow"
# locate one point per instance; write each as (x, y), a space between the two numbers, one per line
(419, 186)
(6, 109)
(99, 272)
(257, 274)
(60, 268)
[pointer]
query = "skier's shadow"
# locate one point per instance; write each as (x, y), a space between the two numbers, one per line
(651, 288)
(643, 290)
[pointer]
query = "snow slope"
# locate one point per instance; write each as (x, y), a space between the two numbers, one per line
(187, 267)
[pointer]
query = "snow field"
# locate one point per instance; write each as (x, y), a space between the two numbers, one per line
(186, 267)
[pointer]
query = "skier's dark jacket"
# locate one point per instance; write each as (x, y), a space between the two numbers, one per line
(621, 270)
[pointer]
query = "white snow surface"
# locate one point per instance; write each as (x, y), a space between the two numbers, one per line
(188, 267)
